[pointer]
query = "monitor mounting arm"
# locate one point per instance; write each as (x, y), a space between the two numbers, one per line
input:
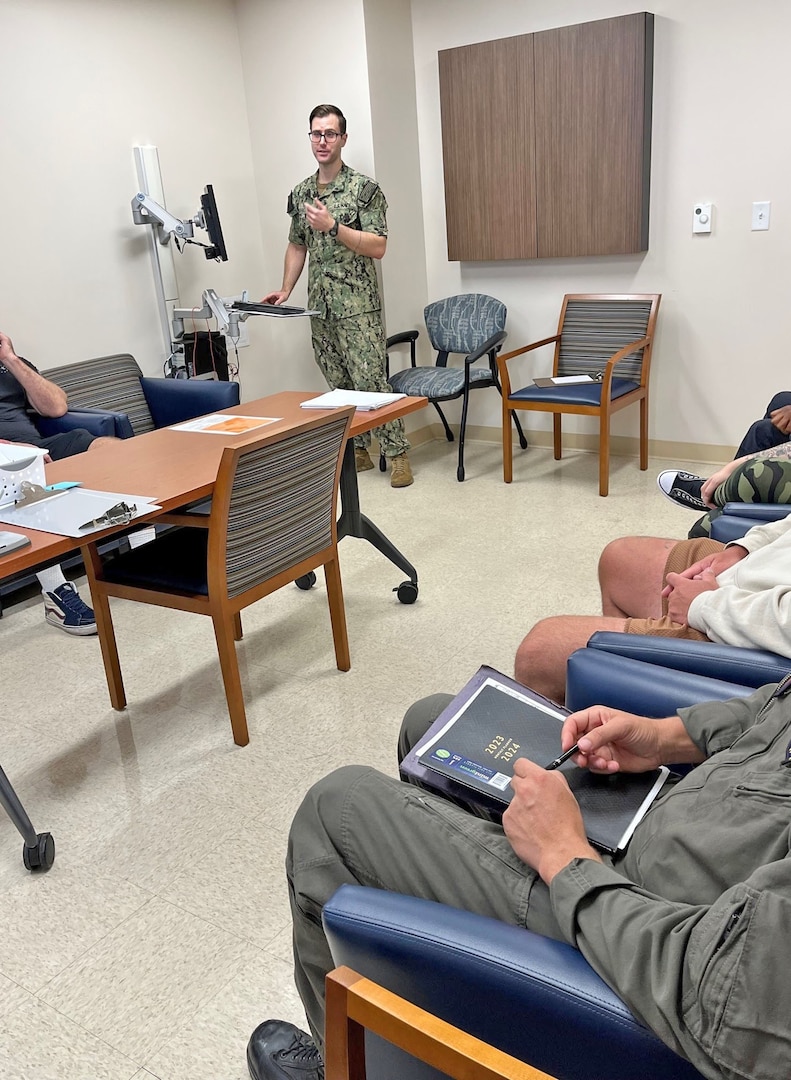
(213, 308)
(145, 211)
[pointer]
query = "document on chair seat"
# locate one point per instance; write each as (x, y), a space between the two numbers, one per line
(225, 424)
(361, 399)
(470, 749)
(565, 380)
(67, 511)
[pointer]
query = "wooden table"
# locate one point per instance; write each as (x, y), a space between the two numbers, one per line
(179, 467)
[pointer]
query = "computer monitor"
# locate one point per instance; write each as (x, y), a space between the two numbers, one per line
(216, 250)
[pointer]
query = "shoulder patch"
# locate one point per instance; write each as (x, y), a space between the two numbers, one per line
(290, 203)
(367, 192)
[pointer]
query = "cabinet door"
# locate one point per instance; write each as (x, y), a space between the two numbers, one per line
(593, 133)
(488, 143)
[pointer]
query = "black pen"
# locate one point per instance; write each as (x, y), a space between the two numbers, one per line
(563, 758)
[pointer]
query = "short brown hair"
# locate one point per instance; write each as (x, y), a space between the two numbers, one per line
(329, 110)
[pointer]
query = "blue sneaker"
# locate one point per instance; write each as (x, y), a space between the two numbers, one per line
(64, 608)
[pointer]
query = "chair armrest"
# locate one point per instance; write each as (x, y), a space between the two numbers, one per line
(490, 345)
(738, 518)
(598, 678)
(505, 357)
(544, 1004)
(747, 667)
(99, 422)
(406, 337)
(173, 400)
(763, 511)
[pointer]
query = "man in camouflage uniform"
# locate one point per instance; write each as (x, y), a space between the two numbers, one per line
(338, 216)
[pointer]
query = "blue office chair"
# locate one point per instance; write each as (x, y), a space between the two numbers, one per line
(472, 325)
(536, 1000)
(608, 337)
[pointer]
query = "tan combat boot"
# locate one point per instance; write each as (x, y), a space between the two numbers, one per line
(401, 472)
(362, 459)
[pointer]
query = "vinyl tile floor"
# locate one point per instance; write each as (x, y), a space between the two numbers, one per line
(161, 936)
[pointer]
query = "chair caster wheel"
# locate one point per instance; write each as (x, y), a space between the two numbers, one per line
(42, 855)
(406, 592)
(460, 473)
(307, 581)
(382, 463)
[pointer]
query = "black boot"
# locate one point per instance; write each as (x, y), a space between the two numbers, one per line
(279, 1051)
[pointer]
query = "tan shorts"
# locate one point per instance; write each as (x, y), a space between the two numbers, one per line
(683, 555)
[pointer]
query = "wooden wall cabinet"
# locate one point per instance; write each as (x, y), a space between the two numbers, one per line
(546, 142)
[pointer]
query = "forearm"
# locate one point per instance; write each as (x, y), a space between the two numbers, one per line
(705, 978)
(362, 243)
(293, 266)
(44, 396)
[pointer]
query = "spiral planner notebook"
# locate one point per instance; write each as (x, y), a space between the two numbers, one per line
(470, 748)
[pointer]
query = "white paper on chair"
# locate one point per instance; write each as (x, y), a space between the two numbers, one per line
(565, 380)
(361, 399)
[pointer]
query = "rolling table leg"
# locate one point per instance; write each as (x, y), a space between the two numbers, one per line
(352, 522)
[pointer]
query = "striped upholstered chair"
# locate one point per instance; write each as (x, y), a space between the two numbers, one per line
(607, 337)
(472, 325)
(109, 395)
(272, 520)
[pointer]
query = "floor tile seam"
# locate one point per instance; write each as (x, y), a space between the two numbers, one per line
(215, 925)
(148, 899)
(136, 1065)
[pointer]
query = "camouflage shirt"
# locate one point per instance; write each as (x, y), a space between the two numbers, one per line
(340, 283)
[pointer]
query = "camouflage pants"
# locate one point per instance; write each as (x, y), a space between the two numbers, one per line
(754, 481)
(351, 355)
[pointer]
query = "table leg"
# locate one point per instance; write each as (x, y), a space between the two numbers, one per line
(352, 522)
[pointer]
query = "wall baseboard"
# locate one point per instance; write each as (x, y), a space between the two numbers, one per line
(620, 445)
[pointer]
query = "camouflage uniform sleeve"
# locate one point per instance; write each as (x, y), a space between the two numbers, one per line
(372, 208)
(296, 232)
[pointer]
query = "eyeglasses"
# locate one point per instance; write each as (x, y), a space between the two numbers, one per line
(328, 136)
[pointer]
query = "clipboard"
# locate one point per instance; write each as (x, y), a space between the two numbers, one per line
(64, 511)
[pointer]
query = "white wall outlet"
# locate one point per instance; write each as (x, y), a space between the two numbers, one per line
(701, 217)
(761, 212)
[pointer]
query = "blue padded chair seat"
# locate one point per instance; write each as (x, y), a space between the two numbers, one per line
(174, 562)
(574, 394)
(436, 383)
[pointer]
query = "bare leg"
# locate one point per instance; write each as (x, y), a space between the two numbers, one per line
(631, 576)
(541, 658)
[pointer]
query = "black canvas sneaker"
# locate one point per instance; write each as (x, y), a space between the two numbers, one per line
(683, 489)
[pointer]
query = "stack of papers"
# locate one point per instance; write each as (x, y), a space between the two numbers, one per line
(359, 398)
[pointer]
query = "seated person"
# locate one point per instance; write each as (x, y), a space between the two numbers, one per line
(689, 924)
(739, 594)
(760, 472)
(24, 392)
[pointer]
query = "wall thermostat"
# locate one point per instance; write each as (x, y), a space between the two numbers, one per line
(701, 217)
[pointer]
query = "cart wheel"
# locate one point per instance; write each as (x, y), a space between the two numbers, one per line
(42, 855)
(307, 581)
(406, 592)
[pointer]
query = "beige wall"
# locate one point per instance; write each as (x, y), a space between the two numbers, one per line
(82, 82)
(720, 89)
(224, 90)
